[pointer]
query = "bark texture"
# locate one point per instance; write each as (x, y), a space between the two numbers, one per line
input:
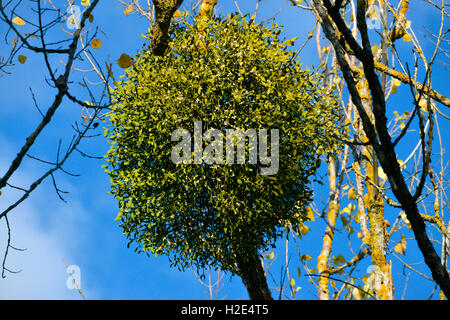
(253, 277)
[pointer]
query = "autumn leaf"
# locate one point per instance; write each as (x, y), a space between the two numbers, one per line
(352, 194)
(85, 3)
(374, 49)
(406, 37)
(405, 219)
(124, 61)
(349, 208)
(270, 256)
(96, 44)
(118, 216)
(292, 282)
(19, 21)
(309, 214)
(423, 103)
(356, 293)
(381, 174)
(128, 10)
(344, 220)
(177, 14)
(400, 247)
(339, 259)
(305, 257)
(22, 59)
(395, 84)
(304, 229)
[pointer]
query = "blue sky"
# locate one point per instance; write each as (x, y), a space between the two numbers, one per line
(83, 231)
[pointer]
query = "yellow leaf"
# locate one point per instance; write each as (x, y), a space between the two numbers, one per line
(405, 219)
(118, 216)
(339, 259)
(352, 194)
(305, 257)
(351, 207)
(394, 90)
(19, 21)
(395, 84)
(124, 61)
(128, 10)
(177, 14)
(400, 247)
(270, 256)
(91, 18)
(304, 229)
(406, 37)
(374, 49)
(85, 3)
(96, 44)
(309, 214)
(423, 103)
(202, 25)
(381, 174)
(320, 150)
(356, 294)
(292, 282)
(326, 49)
(22, 59)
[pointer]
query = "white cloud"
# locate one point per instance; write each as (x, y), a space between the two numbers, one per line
(42, 273)
(49, 230)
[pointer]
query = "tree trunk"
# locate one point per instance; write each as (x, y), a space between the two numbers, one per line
(164, 10)
(253, 277)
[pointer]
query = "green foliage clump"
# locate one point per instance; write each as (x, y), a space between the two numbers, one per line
(230, 74)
